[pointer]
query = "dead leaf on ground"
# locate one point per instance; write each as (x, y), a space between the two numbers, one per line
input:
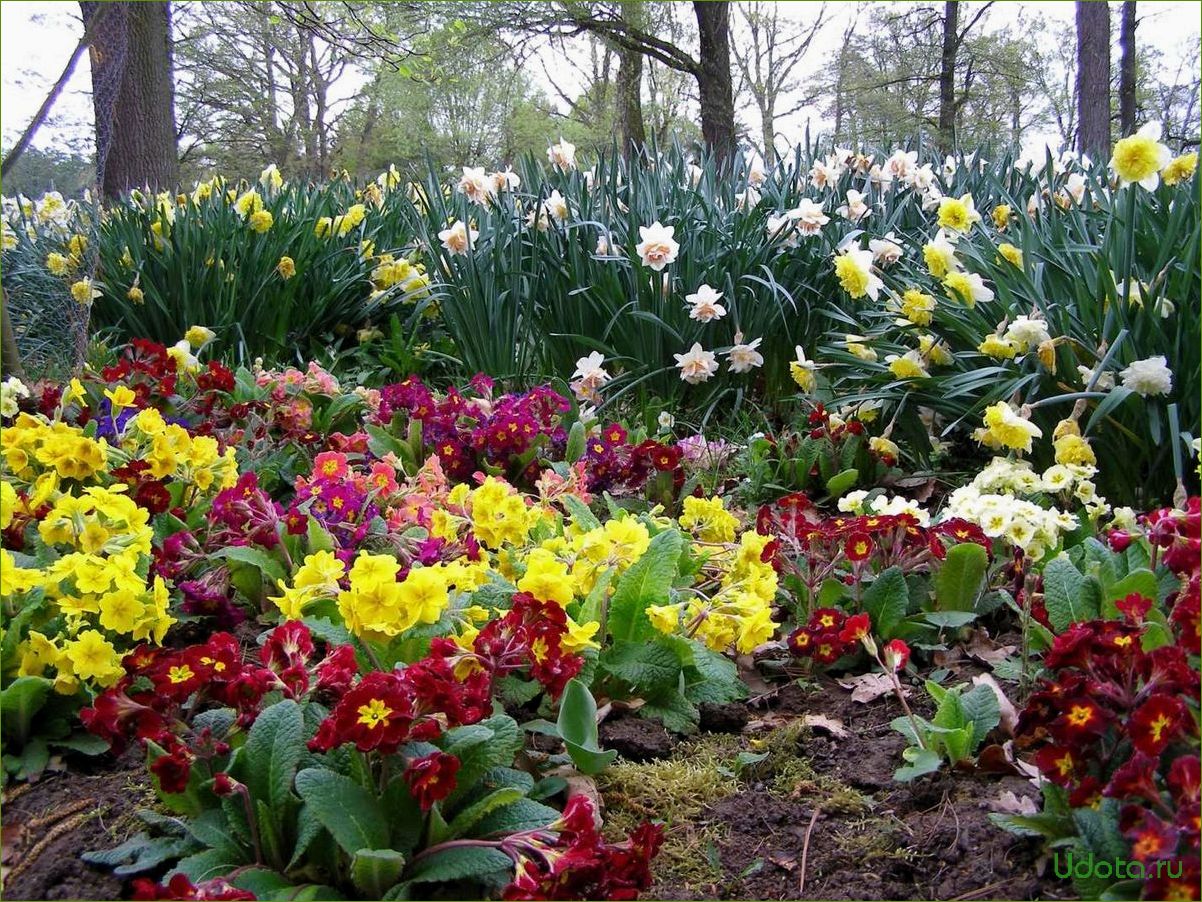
(832, 726)
(984, 649)
(1000, 759)
(946, 656)
(785, 862)
(1009, 803)
(1008, 721)
(750, 674)
(870, 686)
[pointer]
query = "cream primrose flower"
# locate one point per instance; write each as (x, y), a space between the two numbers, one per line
(744, 357)
(458, 239)
(476, 186)
(704, 306)
(1148, 377)
(657, 249)
(11, 391)
(696, 365)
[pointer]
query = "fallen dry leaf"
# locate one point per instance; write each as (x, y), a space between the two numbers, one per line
(1000, 759)
(1009, 715)
(870, 686)
(832, 726)
(1009, 803)
(785, 862)
(984, 649)
(580, 785)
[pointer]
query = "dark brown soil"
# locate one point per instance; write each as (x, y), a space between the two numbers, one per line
(636, 738)
(930, 839)
(48, 824)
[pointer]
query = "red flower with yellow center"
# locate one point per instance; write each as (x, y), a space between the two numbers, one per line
(1155, 722)
(858, 546)
(855, 629)
(374, 713)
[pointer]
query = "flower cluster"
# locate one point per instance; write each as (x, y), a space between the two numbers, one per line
(569, 859)
(1114, 720)
(151, 702)
(739, 612)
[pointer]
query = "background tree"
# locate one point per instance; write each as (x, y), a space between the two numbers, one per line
(1127, 69)
(132, 94)
(767, 49)
(1093, 77)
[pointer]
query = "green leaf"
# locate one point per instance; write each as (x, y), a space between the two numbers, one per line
(582, 517)
(1067, 594)
(458, 863)
(1137, 582)
(516, 817)
(270, 757)
(945, 620)
(918, 762)
(886, 601)
(676, 712)
(466, 819)
(980, 707)
(1048, 826)
(574, 451)
(578, 728)
(271, 568)
(645, 667)
(353, 816)
(647, 582)
(20, 701)
(374, 871)
(840, 483)
(480, 747)
(960, 577)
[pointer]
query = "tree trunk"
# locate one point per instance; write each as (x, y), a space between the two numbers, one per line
(1093, 77)
(1127, 70)
(714, 84)
(631, 131)
(132, 95)
(768, 132)
(947, 77)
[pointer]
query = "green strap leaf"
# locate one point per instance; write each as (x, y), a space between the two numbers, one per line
(353, 816)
